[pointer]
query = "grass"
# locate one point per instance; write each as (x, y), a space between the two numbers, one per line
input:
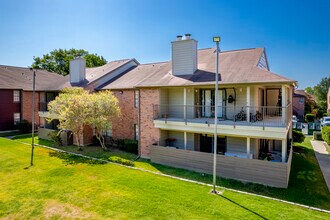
(62, 186)
(306, 184)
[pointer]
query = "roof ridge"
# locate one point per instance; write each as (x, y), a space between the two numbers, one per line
(251, 48)
(154, 63)
(15, 66)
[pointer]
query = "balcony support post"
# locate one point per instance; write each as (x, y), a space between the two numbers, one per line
(248, 103)
(248, 147)
(185, 140)
(284, 149)
(284, 112)
(185, 104)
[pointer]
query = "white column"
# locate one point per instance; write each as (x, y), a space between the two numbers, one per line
(248, 103)
(248, 147)
(184, 103)
(185, 140)
(284, 150)
(283, 103)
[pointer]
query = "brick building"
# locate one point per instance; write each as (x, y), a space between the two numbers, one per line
(170, 108)
(16, 94)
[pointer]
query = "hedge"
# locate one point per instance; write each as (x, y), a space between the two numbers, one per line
(298, 136)
(309, 117)
(128, 145)
(326, 134)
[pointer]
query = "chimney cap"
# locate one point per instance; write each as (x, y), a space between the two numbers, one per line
(179, 37)
(187, 36)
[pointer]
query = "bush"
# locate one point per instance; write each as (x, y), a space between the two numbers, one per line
(55, 137)
(309, 117)
(128, 145)
(24, 126)
(298, 136)
(326, 134)
(116, 159)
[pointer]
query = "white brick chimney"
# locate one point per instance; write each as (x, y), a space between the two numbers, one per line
(77, 70)
(184, 56)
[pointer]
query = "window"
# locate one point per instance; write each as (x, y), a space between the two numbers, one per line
(16, 95)
(136, 98)
(108, 133)
(17, 118)
(301, 100)
(136, 132)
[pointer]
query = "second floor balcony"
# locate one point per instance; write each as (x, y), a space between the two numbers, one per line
(262, 116)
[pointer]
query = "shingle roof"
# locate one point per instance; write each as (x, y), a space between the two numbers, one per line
(238, 66)
(21, 78)
(92, 74)
(300, 92)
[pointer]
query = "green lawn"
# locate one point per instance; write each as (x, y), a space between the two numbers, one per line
(61, 186)
(306, 185)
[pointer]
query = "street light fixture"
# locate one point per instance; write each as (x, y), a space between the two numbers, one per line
(216, 39)
(33, 94)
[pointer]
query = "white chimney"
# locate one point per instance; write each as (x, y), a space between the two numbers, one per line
(184, 56)
(77, 70)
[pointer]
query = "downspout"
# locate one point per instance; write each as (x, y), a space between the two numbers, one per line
(139, 123)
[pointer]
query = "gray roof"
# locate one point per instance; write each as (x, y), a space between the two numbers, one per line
(21, 78)
(236, 67)
(92, 74)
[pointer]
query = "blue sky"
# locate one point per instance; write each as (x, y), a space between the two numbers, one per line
(294, 33)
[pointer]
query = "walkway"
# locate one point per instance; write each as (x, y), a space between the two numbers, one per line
(324, 160)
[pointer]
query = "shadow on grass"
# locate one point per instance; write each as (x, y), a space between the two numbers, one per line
(70, 159)
(305, 178)
(243, 207)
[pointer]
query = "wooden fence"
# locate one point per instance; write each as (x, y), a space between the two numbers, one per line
(248, 170)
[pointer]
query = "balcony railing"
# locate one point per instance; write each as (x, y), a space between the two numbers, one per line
(240, 115)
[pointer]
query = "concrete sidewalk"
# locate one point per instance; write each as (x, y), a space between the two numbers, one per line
(324, 160)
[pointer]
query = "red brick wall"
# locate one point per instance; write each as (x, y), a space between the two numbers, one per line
(148, 133)
(7, 110)
(86, 138)
(27, 107)
(298, 107)
(123, 127)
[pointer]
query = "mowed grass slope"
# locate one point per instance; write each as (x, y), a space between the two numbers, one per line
(60, 186)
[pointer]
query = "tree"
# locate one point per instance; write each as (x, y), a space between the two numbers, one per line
(72, 110)
(321, 91)
(57, 61)
(105, 109)
(77, 108)
(309, 90)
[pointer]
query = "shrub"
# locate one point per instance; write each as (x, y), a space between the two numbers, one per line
(24, 126)
(128, 145)
(298, 136)
(55, 137)
(126, 162)
(326, 134)
(309, 117)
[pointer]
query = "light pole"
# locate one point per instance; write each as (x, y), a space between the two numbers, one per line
(215, 137)
(33, 92)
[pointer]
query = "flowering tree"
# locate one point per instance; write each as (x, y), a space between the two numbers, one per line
(76, 108)
(104, 109)
(71, 108)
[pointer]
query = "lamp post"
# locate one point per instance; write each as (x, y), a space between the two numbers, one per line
(33, 93)
(215, 137)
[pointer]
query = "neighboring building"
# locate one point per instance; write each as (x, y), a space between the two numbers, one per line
(298, 103)
(16, 94)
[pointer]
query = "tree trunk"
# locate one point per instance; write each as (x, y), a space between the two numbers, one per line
(100, 137)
